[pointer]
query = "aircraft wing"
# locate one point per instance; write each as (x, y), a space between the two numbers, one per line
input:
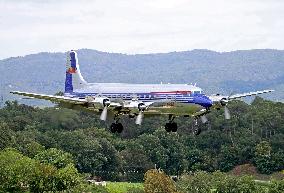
(51, 98)
(237, 96)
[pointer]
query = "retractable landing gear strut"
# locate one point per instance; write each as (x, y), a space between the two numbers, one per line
(196, 128)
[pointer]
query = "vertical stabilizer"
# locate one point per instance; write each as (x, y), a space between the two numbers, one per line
(74, 80)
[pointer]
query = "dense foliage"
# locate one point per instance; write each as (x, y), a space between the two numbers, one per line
(19, 173)
(203, 182)
(57, 144)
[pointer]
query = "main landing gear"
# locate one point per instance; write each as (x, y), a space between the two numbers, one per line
(116, 126)
(171, 126)
(196, 128)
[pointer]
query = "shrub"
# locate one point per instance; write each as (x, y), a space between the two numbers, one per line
(135, 190)
(157, 181)
(245, 169)
(84, 187)
(276, 186)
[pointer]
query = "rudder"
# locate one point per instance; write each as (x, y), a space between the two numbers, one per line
(74, 80)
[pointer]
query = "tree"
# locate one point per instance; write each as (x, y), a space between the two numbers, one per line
(113, 162)
(263, 159)
(229, 157)
(157, 181)
(5, 135)
(276, 186)
(58, 158)
(19, 173)
(200, 182)
(154, 149)
(263, 149)
(16, 171)
(135, 161)
(67, 178)
(198, 160)
(176, 162)
(33, 148)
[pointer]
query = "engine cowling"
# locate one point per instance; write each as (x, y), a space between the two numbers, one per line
(104, 101)
(224, 101)
(135, 104)
(142, 107)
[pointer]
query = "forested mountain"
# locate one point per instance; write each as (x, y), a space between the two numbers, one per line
(226, 72)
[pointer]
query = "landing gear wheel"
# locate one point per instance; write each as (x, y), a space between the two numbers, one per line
(168, 127)
(116, 127)
(171, 126)
(113, 127)
(174, 126)
(119, 127)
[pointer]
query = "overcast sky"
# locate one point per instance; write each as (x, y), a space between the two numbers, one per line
(139, 26)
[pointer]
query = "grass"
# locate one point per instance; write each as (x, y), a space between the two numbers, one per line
(122, 187)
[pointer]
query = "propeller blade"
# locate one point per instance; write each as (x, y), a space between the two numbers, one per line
(139, 118)
(203, 119)
(227, 113)
(103, 116)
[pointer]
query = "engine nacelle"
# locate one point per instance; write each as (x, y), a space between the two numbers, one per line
(104, 101)
(224, 101)
(142, 107)
(135, 104)
(219, 100)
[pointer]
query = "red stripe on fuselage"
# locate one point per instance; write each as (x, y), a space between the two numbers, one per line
(173, 92)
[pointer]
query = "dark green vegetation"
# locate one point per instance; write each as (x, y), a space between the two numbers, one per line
(227, 72)
(54, 148)
(203, 182)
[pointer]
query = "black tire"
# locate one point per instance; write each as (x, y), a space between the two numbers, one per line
(119, 127)
(174, 127)
(113, 127)
(168, 127)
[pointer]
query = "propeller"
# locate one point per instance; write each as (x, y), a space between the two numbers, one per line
(227, 113)
(141, 108)
(203, 119)
(139, 118)
(224, 102)
(106, 103)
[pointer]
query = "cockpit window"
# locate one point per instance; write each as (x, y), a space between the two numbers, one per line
(197, 92)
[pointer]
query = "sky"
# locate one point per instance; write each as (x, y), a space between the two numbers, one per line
(139, 26)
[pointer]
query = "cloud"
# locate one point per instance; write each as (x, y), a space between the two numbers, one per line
(132, 26)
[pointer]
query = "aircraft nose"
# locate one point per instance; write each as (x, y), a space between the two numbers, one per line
(203, 101)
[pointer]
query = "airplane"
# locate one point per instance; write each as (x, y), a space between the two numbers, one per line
(137, 100)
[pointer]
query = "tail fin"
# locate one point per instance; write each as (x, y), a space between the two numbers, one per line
(74, 80)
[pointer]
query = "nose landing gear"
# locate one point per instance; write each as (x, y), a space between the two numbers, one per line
(196, 128)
